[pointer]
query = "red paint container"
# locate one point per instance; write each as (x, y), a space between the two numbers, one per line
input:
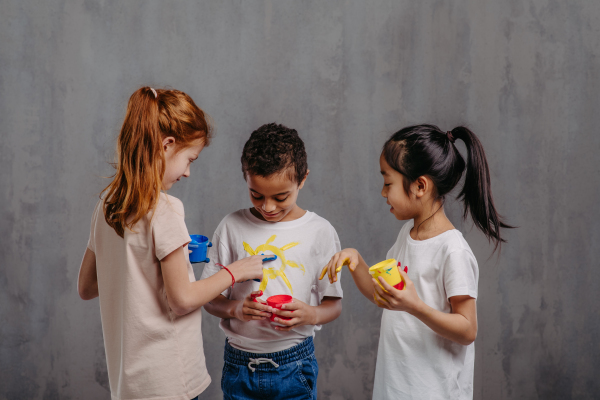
(277, 302)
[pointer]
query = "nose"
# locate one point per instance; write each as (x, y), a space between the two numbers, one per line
(269, 206)
(187, 172)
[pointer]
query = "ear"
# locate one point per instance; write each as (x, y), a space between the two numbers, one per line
(168, 143)
(303, 180)
(422, 186)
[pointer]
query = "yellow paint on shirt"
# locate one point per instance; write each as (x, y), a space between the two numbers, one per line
(270, 272)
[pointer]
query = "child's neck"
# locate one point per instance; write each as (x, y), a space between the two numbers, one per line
(431, 223)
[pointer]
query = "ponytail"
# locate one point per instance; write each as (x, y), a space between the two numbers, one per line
(151, 115)
(476, 193)
(424, 150)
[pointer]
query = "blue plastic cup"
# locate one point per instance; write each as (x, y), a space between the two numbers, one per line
(199, 247)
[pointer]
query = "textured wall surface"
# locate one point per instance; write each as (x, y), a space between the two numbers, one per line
(524, 75)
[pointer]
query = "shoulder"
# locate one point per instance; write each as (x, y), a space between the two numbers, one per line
(231, 224)
(168, 206)
(98, 213)
(166, 200)
(233, 219)
(316, 223)
(454, 240)
(455, 247)
(99, 207)
(316, 219)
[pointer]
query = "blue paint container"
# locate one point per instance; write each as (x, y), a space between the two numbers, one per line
(199, 247)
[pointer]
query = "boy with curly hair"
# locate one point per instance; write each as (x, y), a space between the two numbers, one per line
(269, 352)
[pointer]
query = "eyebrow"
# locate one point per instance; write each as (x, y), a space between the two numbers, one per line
(278, 194)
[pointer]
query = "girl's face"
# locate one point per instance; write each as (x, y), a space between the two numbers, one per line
(274, 197)
(178, 161)
(404, 206)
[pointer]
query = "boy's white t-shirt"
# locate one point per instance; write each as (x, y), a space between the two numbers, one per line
(151, 353)
(414, 362)
(303, 246)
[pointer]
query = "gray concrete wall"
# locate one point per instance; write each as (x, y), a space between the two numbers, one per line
(524, 75)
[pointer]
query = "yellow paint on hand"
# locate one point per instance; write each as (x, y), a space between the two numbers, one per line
(338, 269)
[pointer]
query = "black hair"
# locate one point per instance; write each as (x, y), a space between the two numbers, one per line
(273, 149)
(424, 150)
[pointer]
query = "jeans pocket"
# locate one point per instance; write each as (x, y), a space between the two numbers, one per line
(223, 375)
(308, 370)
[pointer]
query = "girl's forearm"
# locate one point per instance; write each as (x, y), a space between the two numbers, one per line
(199, 293)
(329, 309)
(453, 326)
(185, 296)
(362, 279)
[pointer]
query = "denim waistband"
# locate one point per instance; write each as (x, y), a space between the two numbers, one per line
(295, 353)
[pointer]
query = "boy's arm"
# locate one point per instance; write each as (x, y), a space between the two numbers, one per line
(245, 310)
(304, 314)
(329, 309)
(221, 307)
(358, 268)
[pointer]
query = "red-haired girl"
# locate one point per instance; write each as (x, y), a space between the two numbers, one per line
(136, 259)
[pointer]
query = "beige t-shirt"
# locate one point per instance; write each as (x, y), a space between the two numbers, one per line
(151, 352)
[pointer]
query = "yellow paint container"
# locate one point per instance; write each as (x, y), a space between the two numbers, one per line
(387, 269)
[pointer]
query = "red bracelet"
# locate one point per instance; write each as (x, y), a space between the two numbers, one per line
(227, 269)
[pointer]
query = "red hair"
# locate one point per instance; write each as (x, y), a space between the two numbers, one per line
(136, 186)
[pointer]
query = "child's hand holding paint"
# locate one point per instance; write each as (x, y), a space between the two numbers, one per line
(347, 257)
(387, 296)
(298, 312)
(252, 308)
(247, 268)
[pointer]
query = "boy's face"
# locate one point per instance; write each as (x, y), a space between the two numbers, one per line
(274, 197)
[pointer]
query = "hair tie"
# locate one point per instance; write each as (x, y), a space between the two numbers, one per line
(450, 136)
(154, 91)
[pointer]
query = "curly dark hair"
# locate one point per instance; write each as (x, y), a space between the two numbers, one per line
(272, 149)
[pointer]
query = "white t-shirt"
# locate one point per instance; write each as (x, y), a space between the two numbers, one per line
(303, 247)
(414, 362)
(151, 353)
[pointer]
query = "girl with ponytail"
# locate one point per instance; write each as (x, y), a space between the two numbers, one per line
(137, 261)
(426, 350)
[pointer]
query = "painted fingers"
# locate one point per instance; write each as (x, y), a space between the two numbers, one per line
(344, 257)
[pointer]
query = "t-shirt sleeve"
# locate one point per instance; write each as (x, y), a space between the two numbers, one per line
(168, 227)
(218, 254)
(92, 240)
(332, 246)
(461, 274)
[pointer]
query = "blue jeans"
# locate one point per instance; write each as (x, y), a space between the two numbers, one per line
(288, 374)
